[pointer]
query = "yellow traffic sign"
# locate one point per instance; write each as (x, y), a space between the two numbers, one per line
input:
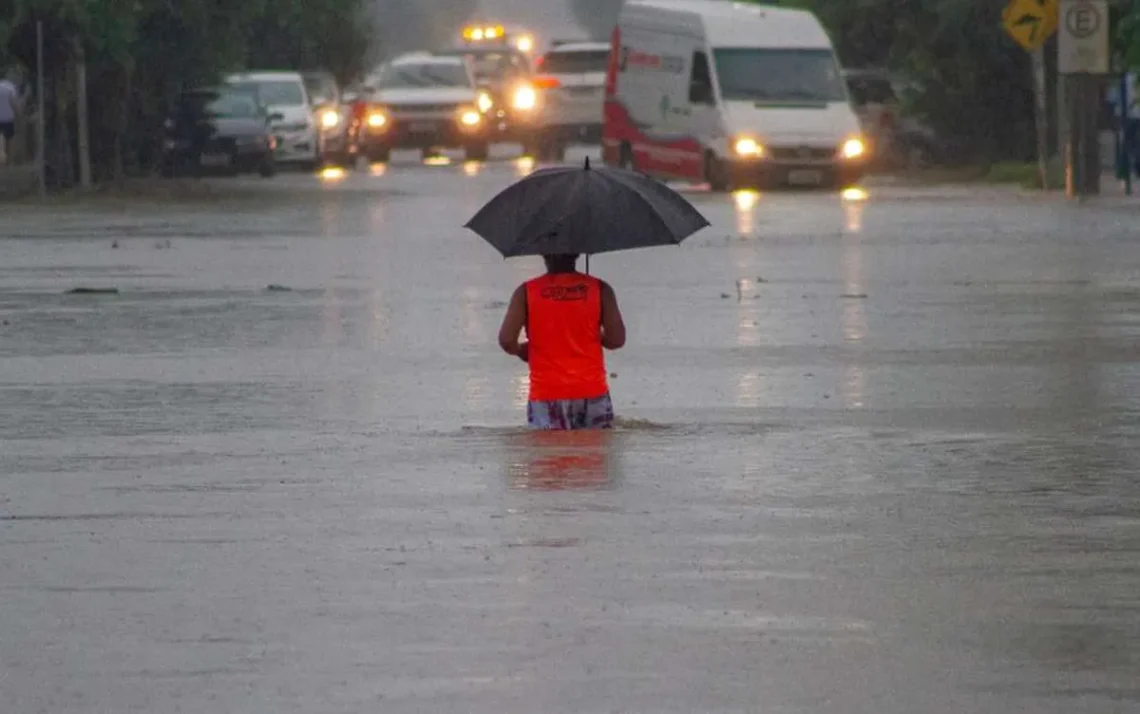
(1030, 22)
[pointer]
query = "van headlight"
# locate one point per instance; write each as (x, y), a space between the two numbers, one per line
(853, 148)
(525, 98)
(748, 147)
(484, 102)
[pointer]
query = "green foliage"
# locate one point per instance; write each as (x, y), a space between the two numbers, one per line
(971, 81)
(140, 53)
(1128, 34)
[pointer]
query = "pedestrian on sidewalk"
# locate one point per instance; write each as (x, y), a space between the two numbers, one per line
(9, 110)
(569, 317)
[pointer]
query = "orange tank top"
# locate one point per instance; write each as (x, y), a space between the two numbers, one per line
(564, 328)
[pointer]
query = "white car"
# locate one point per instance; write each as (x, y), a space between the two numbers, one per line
(572, 80)
(292, 121)
(426, 102)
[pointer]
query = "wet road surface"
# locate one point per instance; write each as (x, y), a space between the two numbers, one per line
(878, 455)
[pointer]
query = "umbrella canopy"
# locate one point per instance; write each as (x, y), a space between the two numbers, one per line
(585, 211)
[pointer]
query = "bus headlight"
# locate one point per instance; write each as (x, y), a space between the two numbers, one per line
(749, 148)
(484, 102)
(853, 148)
(525, 98)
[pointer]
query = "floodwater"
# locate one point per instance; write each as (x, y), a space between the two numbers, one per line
(878, 455)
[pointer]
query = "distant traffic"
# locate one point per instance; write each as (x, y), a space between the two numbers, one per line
(720, 93)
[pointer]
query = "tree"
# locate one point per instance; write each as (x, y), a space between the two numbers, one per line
(140, 53)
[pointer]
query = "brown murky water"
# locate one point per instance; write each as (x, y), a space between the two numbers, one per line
(876, 455)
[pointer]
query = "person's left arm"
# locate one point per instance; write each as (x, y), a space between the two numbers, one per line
(513, 323)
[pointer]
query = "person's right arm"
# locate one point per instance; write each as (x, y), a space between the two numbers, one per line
(613, 327)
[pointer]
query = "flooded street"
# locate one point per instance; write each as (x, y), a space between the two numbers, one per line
(878, 455)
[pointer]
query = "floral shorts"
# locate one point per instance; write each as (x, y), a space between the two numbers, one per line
(562, 414)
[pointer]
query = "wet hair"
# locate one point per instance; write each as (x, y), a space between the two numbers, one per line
(561, 262)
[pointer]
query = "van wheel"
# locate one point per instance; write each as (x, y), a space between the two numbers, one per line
(625, 157)
(716, 174)
(476, 152)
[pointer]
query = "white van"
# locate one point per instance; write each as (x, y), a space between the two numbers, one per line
(730, 93)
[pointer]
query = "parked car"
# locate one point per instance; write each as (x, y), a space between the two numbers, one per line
(509, 99)
(297, 132)
(331, 115)
(571, 83)
(218, 129)
(425, 102)
(897, 138)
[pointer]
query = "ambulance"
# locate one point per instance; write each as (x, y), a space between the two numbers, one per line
(728, 93)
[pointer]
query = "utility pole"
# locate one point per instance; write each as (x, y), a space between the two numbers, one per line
(1041, 116)
(81, 117)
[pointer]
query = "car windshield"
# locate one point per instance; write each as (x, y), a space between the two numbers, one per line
(495, 66)
(870, 90)
(234, 106)
(220, 105)
(580, 62)
(289, 93)
(783, 75)
(427, 74)
(321, 88)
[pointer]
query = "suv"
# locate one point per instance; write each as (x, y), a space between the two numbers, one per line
(509, 99)
(571, 85)
(424, 102)
(898, 139)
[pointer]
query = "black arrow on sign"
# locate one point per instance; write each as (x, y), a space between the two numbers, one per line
(1028, 19)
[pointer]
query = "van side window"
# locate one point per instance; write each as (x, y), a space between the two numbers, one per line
(700, 81)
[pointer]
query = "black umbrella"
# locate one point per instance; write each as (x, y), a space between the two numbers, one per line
(585, 210)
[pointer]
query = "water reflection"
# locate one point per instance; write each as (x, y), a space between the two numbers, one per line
(332, 174)
(853, 388)
(524, 165)
(437, 161)
(378, 169)
(475, 392)
(474, 327)
(472, 168)
(563, 460)
(745, 202)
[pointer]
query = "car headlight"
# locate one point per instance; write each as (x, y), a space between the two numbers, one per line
(484, 102)
(525, 98)
(853, 148)
(749, 148)
(470, 118)
(377, 120)
(525, 44)
(330, 118)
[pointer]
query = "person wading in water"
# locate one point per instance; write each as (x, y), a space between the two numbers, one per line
(569, 317)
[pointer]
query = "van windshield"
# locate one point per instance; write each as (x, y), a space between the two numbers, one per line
(783, 75)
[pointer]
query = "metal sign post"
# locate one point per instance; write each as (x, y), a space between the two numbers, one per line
(1082, 59)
